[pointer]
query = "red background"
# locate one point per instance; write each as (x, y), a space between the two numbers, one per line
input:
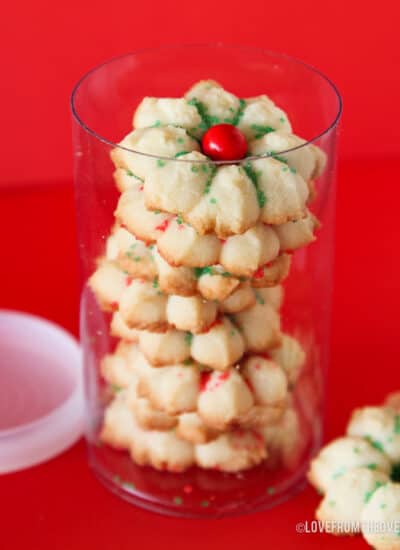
(46, 46)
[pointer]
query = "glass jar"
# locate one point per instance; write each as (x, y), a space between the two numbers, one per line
(265, 461)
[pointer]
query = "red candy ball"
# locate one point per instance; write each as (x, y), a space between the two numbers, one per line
(224, 142)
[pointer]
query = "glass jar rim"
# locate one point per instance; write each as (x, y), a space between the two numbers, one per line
(286, 57)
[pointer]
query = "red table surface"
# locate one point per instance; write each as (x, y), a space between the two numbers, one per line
(61, 505)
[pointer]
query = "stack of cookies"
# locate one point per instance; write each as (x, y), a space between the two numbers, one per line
(203, 373)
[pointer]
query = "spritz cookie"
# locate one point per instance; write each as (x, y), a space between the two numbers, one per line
(341, 455)
(380, 426)
(179, 179)
(345, 499)
(382, 508)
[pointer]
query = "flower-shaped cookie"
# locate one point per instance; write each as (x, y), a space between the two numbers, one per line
(253, 396)
(181, 245)
(354, 473)
(223, 199)
(232, 451)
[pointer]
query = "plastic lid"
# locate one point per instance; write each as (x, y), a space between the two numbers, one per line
(41, 390)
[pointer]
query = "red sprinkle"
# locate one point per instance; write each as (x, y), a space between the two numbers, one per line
(217, 381)
(204, 379)
(188, 489)
(259, 274)
(224, 376)
(114, 306)
(141, 187)
(222, 241)
(163, 225)
(128, 280)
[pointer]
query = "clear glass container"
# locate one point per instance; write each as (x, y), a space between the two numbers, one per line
(103, 103)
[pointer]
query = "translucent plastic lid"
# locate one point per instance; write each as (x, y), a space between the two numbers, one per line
(41, 390)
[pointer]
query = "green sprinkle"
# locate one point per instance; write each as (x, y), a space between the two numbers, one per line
(369, 494)
(129, 485)
(209, 180)
(237, 118)
(194, 169)
(180, 140)
(181, 153)
(382, 506)
(397, 424)
(332, 503)
(226, 274)
(213, 200)
(188, 338)
(282, 119)
(199, 271)
(188, 362)
(160, 163)
(178, 500)
(155, 282)
(259, 298)
(356, 450)
(116, 388)
(157, 211)
(206, 120)
(132, 175)
(277, 157)
(271, 490)
(204, 167)
(260, 131)
(204, 504)
(156, 124)
(293, 170)
(232, 332)
(179, 219)
(376, 444)
(128, 254)
(133, 246)
(372, 466)
(253, 176)
(151, 246)
(137, 259)
(116, 479)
